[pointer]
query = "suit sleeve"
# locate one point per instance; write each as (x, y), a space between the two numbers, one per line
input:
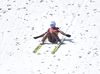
(62, 32)
(43, 34)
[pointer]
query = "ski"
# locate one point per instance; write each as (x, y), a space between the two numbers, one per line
(38, 47)
(56, 47)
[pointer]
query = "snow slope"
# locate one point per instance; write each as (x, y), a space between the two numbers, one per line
(21, 20)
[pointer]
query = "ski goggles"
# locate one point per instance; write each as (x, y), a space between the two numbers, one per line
(52, 25)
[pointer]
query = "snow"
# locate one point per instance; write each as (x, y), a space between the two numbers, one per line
(21, 20)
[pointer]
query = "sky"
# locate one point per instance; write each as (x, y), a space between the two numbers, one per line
(21, 20)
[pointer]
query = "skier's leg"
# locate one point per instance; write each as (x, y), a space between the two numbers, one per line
(56, 37)
(51, 38)
(45, 36)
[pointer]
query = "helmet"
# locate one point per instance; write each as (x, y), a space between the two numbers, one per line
(53, 23)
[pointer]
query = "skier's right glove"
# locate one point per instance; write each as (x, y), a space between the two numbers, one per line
(68, 35)
(35, 37)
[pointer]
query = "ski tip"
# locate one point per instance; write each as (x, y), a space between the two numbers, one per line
(53, 53)
(34, 52)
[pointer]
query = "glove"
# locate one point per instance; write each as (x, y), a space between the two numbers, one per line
(68, 35)
(35, 37)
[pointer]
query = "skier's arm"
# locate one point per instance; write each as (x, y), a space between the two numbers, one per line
(64, 33)
(61, 32)
(40, 35)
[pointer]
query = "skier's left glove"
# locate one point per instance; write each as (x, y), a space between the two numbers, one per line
(68, 35)
(35, 37)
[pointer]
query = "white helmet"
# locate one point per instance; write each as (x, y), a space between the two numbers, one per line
(53, 22)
